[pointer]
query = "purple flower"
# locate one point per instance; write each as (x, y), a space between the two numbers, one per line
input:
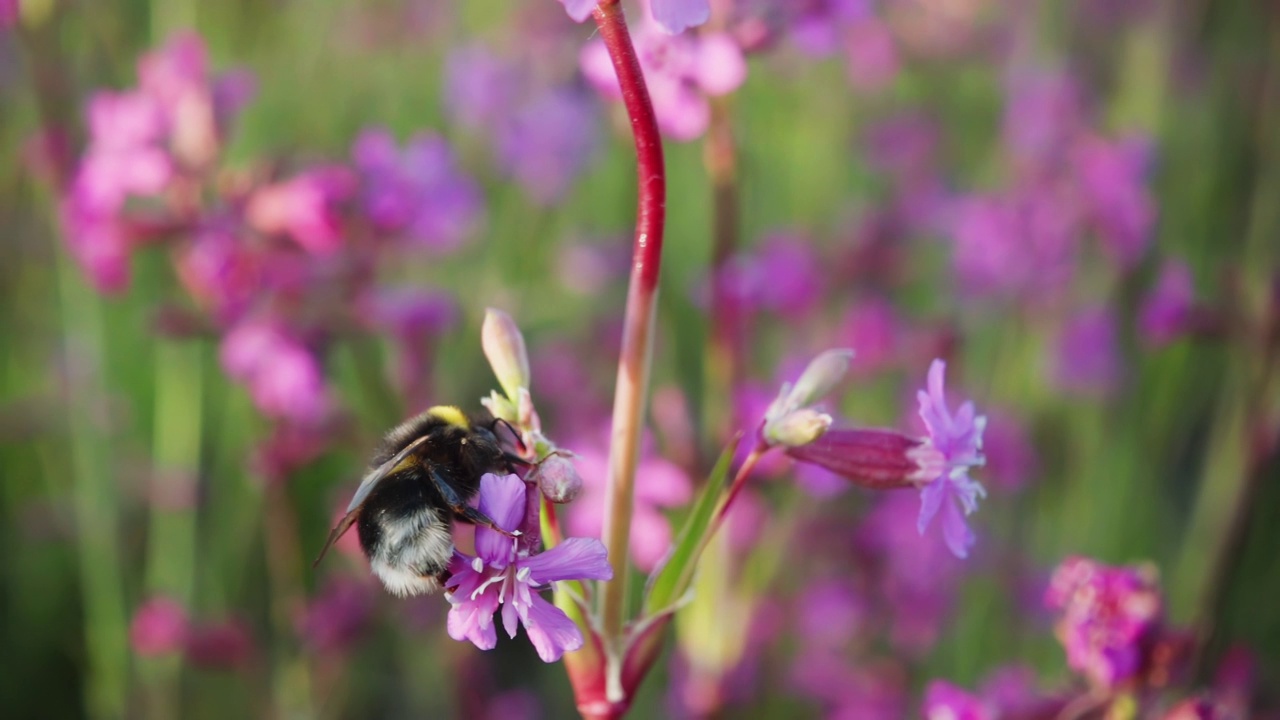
(548, 142)
(953, 446)
(873, 328)
(1022, 244)
(1086, 357)
(1165, 314)
(480, 87)
(1011, 456)
(418, 192)
(1110, 618)
(502, 577)
(1112, 179)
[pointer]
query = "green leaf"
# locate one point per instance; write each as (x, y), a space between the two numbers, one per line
(669, 582)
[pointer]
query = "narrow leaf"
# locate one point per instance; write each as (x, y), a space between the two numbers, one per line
(670, 581)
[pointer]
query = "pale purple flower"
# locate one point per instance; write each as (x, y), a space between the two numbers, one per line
(953, 446)
(99, 242)
(283, 376)
(480, 87)
(1022, 244)
(944, 701)
(124, 157)
(418, 192)
(502, 577)
(1165, 314)
(1044, 112)
(220, 271)
(674, 16)
(1086, 355)
(177, 76)
(159, 627)
(548, 142)
(1110, 618)
(679, 71)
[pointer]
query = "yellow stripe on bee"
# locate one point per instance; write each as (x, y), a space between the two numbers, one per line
(451, 415)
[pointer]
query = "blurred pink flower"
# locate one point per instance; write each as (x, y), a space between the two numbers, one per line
(304, 207)
(500, 577)
(159, 627)
(1022, 244)
(221, 273)
(1112, 175)
(1165, 314)
(679, 71)
(284, 378)
(10, 13)
(1110, 617)
(548, 142)
(660, 484)
(873, 330)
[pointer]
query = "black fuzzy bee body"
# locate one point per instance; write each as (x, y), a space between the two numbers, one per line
(420, 479)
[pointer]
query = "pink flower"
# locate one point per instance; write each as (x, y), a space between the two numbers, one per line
(283, 376)
(500, 576)
(1110, 617)
(159, 627)
(956, 445)
(659, 484)
(680, 72)
(304, 207)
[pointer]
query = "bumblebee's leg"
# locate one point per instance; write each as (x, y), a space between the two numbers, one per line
(462, 510)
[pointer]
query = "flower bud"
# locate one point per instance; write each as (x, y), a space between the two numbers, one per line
(558, 479)
(875, 459)
(504, 347)
(796, 428)
(821, 375)
(818, 378)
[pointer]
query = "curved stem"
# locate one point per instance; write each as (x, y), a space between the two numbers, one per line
(637, 336)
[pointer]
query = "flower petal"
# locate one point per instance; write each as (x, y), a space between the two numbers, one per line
(931, 497)
(676, 16)
(573, 559)
(550, 630)
(473, 619)
(578, 9)
(501, 498)
(956, 531)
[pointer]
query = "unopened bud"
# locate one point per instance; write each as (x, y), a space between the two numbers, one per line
(504, 347)
(796, 428)
(558, 479)
(875, 459)
(822, 374)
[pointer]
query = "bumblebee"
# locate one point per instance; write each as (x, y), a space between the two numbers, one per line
(421, 477)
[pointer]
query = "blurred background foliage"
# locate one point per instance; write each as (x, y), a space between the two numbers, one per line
(132, 463)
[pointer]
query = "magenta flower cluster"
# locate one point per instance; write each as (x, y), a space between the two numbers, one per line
(279, 264)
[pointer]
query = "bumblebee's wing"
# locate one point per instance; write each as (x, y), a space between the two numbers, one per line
(367, 484)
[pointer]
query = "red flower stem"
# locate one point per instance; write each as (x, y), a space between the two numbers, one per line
(739, 481)
(637, 335)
